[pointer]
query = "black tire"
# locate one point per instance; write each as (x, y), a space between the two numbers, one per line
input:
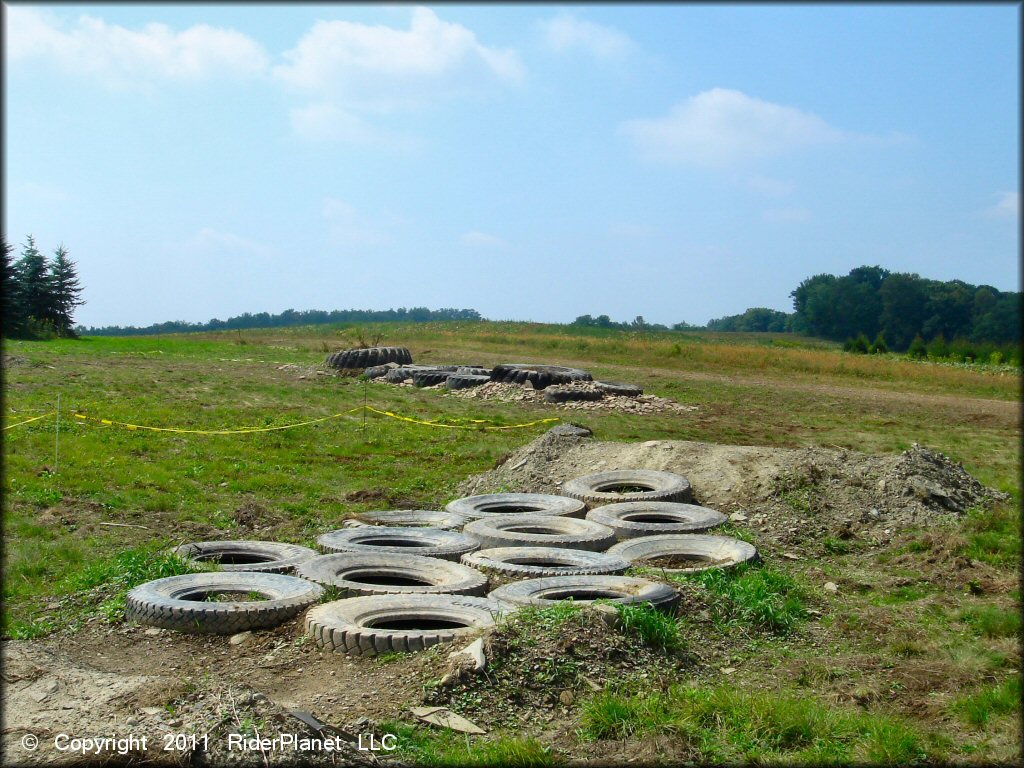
(368, 626)
(429, 378)
(406, 372)
(473, 370)
(704, 552)
(650, 518)
(541, 531)
(413, 518)
(258, 556)
(358, 573)
(379, 539)
(564, 394)
(366, 358)
(586, 589)
(377, 371)
(536, 562)
(508, 504)
(465, 381)
(620, 388)
(540, 376)
(637, 484)
(180, 602)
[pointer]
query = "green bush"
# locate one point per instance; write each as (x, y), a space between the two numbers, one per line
(918, 350)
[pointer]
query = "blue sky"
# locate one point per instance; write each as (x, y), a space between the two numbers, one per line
(529, 161)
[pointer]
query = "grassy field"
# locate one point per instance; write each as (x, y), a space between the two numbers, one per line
(77, 525)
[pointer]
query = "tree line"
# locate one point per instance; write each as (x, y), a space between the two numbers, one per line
(290, 317)
(40, 294)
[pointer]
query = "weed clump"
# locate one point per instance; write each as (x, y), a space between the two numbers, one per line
(761, 596)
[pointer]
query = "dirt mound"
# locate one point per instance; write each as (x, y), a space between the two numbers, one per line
(514, 393)
(788, 496)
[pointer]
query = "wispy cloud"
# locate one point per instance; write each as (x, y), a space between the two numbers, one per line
(1008, 207)
(566, 32)
(481, 240)
(121, 58)
(722, 127)
(346, 227)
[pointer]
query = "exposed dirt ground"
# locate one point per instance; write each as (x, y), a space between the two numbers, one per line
(131, 680)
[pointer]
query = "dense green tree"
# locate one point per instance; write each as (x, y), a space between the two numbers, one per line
(66, 289)
(13, 304)
(35, 286)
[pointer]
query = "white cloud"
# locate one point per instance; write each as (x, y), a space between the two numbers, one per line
(722, 127)
(786, 215)
(347, 228)
(481, 240)
(382, 68)
(1008, 207)
(121, 57)
(565, 32)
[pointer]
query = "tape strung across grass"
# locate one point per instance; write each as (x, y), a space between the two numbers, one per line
(26, 421)
(477, 423)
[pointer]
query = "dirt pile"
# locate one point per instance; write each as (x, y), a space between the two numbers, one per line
(514, 393)
(790, 497)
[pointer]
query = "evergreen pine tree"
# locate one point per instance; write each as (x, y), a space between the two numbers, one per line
(33, 276)
(13, 306)
(67, 291)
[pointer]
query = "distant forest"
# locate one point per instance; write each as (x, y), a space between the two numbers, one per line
(898, 307)
(289, 317)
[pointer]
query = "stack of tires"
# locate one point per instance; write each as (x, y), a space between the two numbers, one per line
(409, 579)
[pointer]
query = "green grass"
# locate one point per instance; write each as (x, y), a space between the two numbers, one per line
(979, 708)
(993, 535)
(425, 747)
(762, 596)
(724, 725)
(656, 628)
(993, 620)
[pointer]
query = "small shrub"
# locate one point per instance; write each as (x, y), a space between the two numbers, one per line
(859, 345)
(937, 348)
(879, 347)
(918, 350)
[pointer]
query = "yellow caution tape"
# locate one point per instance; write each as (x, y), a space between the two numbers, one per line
(26, 421)
(250, 430)
(460, 426)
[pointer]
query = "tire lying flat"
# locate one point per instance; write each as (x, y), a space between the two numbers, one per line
(650, 518)
(368, 626)
(358, 573)
(182, 602)
(537, 562)
(620, 388)
(413, 518)
(508, 504)
(355, 359)
(693, 553)
(622, 485)
(587, 589)
(541, 531)
(380, 539)
(539, 376)
(259, 556)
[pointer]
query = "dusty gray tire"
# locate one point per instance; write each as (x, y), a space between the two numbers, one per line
(540, 376)
(587, 589)
(508, 504)
(429, 378)
(622, 485)
(678, 553)
(619, 388)
(465, 381)
(404, 373)
(413, 518)
(564, 394)
(536, 562)
(180, 602)
(368, 626)
(349, 359)
(541, 531)
(380, 539)
(377, 372)
(357, 573)
(650, 518)
(473, 370)
(260, 556)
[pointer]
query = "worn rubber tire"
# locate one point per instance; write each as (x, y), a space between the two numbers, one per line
(163, 603)
(508, 504)
(620, 388)
(377, 371)
(413, 518)
(706, 552)
(537, 562)
(358, 573)
(473, 370)
(465, 381)
(429, 378)
(345, 626)
(650, 518)
(563, 394)
(540, 376)
(616, 589)
(258, 556)
(366, 358)
(379, 539)
(541, 531)
(597, 488)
